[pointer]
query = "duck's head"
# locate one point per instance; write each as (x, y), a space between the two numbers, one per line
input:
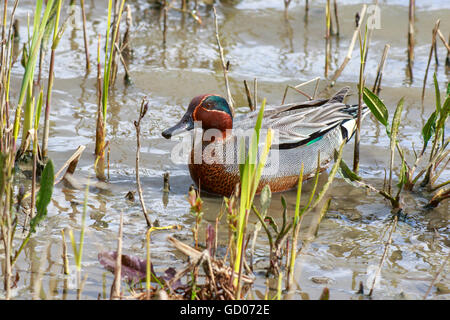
(212, 110)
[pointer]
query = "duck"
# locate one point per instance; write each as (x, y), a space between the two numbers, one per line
(305, 132)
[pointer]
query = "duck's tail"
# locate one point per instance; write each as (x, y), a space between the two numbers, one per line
(348, 126)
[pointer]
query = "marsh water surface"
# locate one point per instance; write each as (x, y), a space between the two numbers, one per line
(261, 44)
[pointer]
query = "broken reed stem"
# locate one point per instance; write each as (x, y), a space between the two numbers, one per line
(433, 44)
(225, 66)
(100, 132)
(166, 177)
(126, 42)
(124, 63)
(115, 288)
(351, 47)
(389, 241)
(86, 46)
(441, 36)
(447, 61)
(296, 88)
(336, 17)
(411, 41)
(255, 93)
(164, 23)
(286, 7)
(64, 253)
(137, 125)
(436, 277)
(249, 97)
(380, 70)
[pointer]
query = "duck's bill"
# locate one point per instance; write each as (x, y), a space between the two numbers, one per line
(182, 126)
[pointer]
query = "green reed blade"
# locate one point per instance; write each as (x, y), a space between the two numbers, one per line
(377, 107)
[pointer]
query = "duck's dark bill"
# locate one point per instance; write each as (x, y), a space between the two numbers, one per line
(182, 126)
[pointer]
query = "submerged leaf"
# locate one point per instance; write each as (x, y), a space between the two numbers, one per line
(169, 275)
(44, 195)
(133, 269)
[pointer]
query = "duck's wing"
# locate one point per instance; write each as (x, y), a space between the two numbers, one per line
(300, 123)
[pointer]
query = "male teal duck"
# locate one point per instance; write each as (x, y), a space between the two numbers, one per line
(304, 130)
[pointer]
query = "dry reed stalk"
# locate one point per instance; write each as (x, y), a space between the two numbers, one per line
(297, 90)
(377, 83)
(286, 7)
(447, 61)
(436, 277)
(166, 178)
(351, 47)
(115, 288)
(336, 17)
(137, 125)
(124, 63)
(165, 23)
(389, 241)
(86, 45)
(249, 96)
(411, 41)
(441, 36)
(100, 131)
(225, 66)
(255, 93)
(70, 164)
(126, 42)
(64, 254)
(433, 45)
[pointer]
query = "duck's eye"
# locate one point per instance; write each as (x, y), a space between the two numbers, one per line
(208, 105)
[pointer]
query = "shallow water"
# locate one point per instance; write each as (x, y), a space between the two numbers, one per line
(259, 44)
